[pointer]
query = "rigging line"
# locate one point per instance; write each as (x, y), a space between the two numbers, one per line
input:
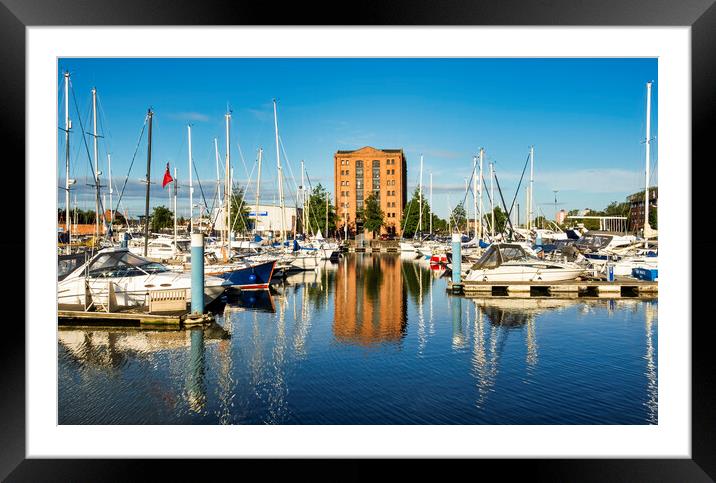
(89, 157)
(312, 211)
(241, 155)
(134, 156)
(509, 221)
(198, 180)
(288, 162)
(102, 122)
(517, 191)
(241, 205)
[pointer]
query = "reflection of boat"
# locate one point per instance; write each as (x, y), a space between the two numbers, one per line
(132, 278)
(306, 276)
(245, 275)
(531, 306)
(508, 262)
(111, 347)
(256, 301)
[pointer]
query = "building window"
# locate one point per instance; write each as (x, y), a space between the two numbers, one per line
(376, 163)
(347, 173)
(359, 163)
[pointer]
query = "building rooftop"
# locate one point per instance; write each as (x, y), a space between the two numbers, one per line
(369, 147)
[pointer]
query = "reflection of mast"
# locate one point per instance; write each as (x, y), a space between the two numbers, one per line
(302, 326)
(485, 369)
(277, 397)
(225, 382)
(531, 342)
(652, 402)
(421, 318)
(458, 337)
(195, 384)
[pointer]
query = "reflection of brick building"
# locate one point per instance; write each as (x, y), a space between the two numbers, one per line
(370, 300)
(636, 208)
(366, 171)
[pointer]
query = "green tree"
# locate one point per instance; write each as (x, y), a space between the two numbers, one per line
(500, 220)
(161, 217)
(617, 209)
(239, 210)
(317, 211)
(410, 221)
(458, 218)
(373, 216)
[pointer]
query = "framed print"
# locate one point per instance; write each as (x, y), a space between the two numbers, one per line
(358, 193)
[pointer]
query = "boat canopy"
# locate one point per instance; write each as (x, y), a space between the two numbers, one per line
(121, 263)
(498, 254)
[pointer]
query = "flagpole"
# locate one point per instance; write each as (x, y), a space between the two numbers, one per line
(175, 210)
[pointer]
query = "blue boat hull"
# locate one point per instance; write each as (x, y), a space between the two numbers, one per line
(250, 278)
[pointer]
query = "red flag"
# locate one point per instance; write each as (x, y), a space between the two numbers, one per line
(167, 177)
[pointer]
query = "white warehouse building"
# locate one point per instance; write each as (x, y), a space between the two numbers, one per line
(268, 220)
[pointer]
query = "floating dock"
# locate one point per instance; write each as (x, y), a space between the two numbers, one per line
(129, 318)
(624, 287)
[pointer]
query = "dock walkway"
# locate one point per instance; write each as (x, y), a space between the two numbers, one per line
(622, 287)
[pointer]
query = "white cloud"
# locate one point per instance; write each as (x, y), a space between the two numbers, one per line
(189, 116)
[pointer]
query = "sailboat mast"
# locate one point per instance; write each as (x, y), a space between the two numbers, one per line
(109, 175)
(482, 156)
(175, 210)
(258, 190)
(191, 186)
(420, 191)
(227, 188)
(150, 114)
(68, 224)
(492, 200)
(431, 202)
(648, 146)
(531, 192)
(474, 192)
(303, 202)
(218, 179)
(96, 161)
(280, 173)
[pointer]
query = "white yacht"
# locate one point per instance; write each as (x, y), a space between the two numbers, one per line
(132, 278)
(510, 262)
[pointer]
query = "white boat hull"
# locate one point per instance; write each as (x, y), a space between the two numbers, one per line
(516, 273)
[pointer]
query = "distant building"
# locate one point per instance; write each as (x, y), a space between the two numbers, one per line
(267, 220)
(636, 207)
(561, 216)
(366, 171)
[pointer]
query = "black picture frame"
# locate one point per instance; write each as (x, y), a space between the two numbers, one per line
(700, 15)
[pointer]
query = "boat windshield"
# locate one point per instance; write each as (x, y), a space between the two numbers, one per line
(122, 264)
(513, 253)
(184, 245)
(595, 241)
(497, 255)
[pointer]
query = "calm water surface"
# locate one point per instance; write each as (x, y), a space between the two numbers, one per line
(372, 339)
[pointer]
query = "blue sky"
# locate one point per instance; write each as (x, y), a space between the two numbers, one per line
(585, 117)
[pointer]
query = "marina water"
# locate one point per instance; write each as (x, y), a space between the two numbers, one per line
(371, 339)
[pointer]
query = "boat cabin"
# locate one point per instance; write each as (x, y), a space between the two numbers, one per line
(121, 262)
(593, 241)
(499, 254)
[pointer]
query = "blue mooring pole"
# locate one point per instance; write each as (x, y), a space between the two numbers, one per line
(197, 273)
(456, 257)
(125, 240)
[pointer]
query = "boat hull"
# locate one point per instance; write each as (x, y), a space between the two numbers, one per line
(254, 277)
(524, 274)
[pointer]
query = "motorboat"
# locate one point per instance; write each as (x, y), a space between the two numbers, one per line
(132, 279)
(242, 274)
(161, 248)
(510, 262)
